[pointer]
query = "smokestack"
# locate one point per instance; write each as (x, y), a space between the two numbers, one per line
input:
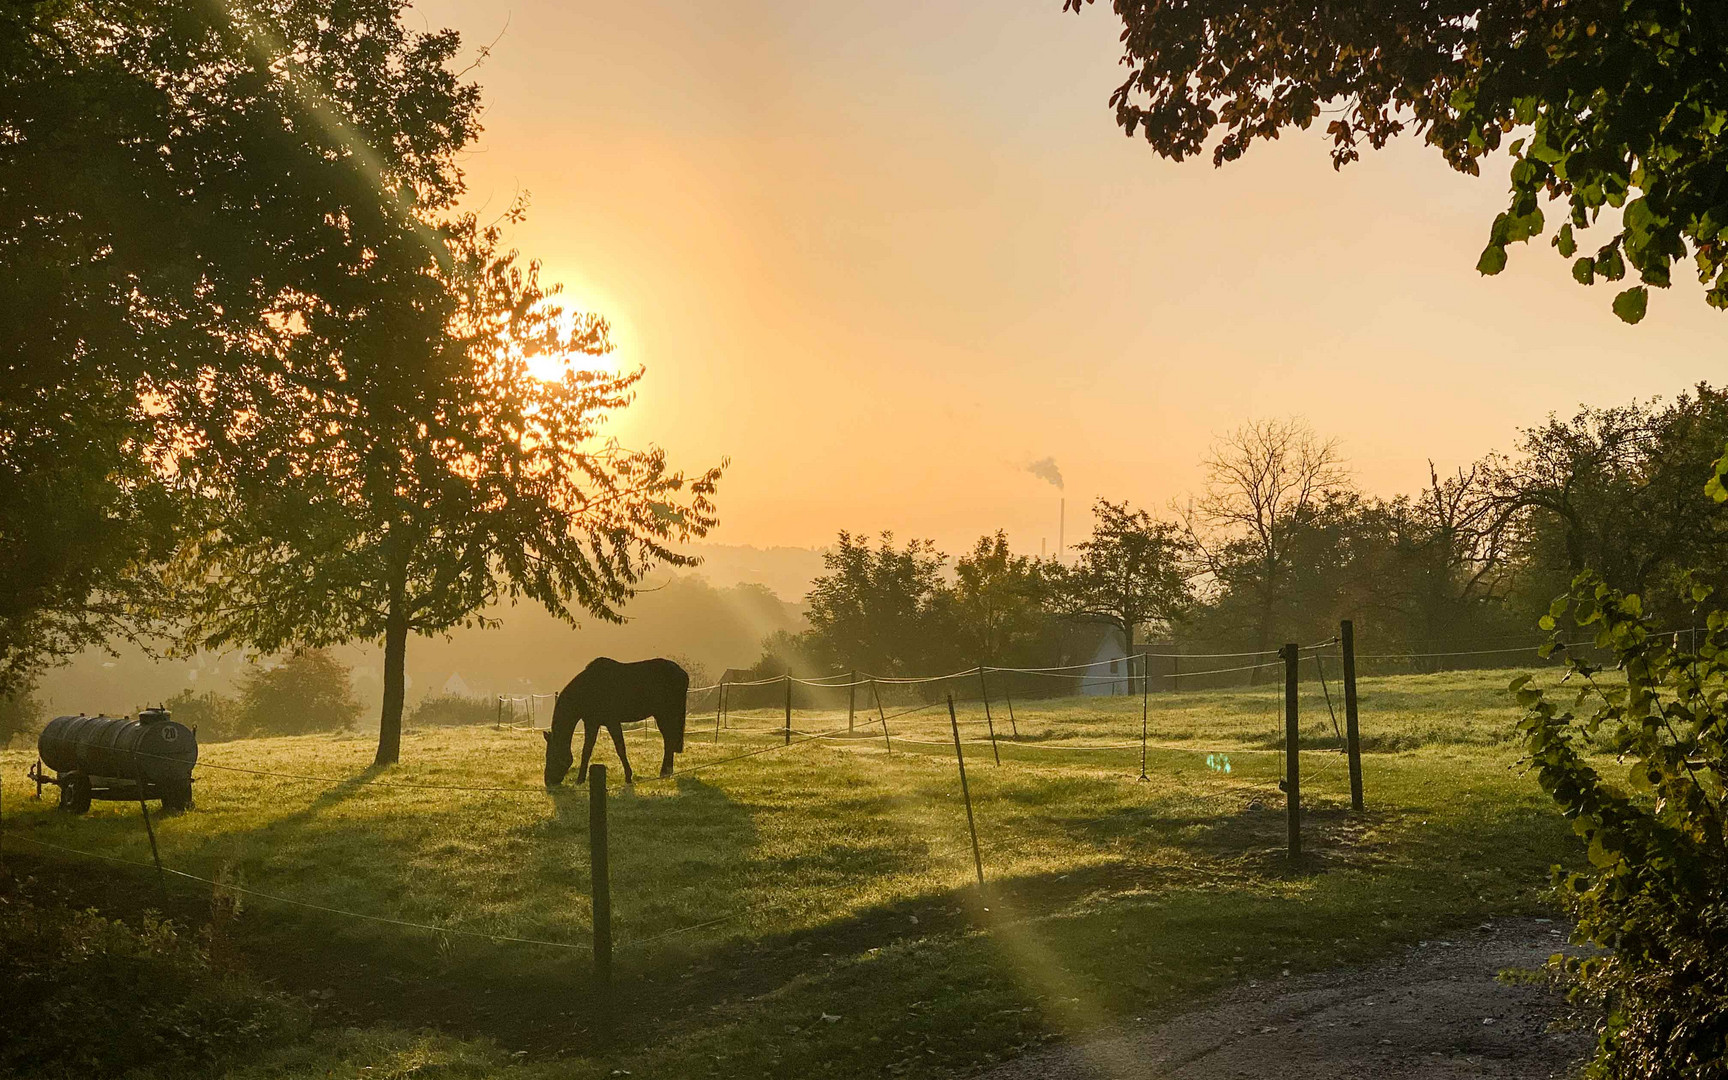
(1043, 546)
(1062, 529)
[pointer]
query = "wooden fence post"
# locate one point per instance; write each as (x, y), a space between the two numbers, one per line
(1008, 696)
(984, 689)
(719, 709)
(788, 709)
(966, 794)
(877, 694)
(600, 879)
(851, 701)
(1145, 706)
(1292, 654)
(1352, 734)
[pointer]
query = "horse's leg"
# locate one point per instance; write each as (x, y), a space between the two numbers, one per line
(590, 732)
(617, 730)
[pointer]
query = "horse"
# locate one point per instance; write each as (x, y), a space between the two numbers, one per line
(611, 694)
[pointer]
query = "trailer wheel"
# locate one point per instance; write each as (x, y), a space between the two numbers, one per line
(177, 796)
(74, 793)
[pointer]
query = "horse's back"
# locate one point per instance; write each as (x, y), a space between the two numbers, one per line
(644, 684)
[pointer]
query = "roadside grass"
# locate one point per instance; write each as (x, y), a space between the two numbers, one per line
(813, 911)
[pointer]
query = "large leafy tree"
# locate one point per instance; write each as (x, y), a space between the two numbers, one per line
(434, 476)
(878, 608)
(176, 181)
(1130, 573)
(999, 603)
(1604, 105)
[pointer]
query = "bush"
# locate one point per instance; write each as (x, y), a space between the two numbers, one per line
(216, 718)
(451, 710)
(1655, 895)
(86, 996)
(310, 691)
(20, 714)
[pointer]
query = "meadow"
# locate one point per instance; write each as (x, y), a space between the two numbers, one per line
(814, 910)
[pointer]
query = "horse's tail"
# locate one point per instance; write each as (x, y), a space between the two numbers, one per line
(680, 708)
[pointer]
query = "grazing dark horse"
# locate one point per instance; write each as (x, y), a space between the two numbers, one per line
(610, 694)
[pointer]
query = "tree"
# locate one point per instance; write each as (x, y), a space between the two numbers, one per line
(1614, 491)
(1129, 573)
(307, 692)
(1261, 480)
(1613, 104)
(435, 477)
(875, 609)
(998, 602)
(176, 181)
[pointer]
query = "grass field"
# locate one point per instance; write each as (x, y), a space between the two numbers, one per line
(813, 911)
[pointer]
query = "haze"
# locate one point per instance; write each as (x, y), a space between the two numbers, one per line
(885, 255)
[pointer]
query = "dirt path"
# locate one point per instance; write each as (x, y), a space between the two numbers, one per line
(1438, 1014)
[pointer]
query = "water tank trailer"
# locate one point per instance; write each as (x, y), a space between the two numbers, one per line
(109, 757)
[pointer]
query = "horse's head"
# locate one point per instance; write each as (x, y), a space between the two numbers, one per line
(558, 760)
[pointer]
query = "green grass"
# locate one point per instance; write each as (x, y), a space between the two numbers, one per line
(755, 899)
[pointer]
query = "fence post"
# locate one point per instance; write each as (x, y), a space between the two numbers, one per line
(1145, 705)
(984, 689)
(877, 694)
(1008, 696)
(851, 701)
(1292, 654)
(788, 708)
(600, 879)
(966, 794)
(155, 855)
(1352, 734)
(500, 702)
(1175, 672)
(719, 709)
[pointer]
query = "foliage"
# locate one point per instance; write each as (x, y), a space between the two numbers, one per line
(85, 995)
(877, 609)
(1615, 491)
(999, 604)
(1655, 896)
(1130, 573)
(216, 717)
(449, 710)
(308, 691)
(20, 714)
(439, 476)
(178, 184)
(1615, 104)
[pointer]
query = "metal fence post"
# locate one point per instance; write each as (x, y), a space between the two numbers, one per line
(1352, 734)
(600, 876)
(1292, 654)
(966, 794)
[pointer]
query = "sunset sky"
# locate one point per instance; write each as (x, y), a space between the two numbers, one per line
(886, 255)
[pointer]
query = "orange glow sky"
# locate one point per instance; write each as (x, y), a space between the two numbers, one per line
(883, 255)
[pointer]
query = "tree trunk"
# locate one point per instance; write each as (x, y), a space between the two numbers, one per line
(395, 658)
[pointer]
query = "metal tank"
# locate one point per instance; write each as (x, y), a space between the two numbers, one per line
(108, 757)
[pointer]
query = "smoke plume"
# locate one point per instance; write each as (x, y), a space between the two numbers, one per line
(1047, 471)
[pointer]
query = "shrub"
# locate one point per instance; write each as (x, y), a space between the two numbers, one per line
(309, 691)
(216, 718)
(20, 714)
(450, 710)
(86, 996)
(1655, 895)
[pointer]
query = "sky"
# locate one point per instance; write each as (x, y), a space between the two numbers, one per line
(886, 256)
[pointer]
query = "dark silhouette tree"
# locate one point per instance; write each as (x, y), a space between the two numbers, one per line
(999, 602)
(877, 609)
(177, 182)
(434, 477)
(1602, 104)
(1130, 573)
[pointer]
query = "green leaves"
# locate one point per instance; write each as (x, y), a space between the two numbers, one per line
(1631, 303)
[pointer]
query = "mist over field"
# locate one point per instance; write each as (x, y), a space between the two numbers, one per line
(715, 615)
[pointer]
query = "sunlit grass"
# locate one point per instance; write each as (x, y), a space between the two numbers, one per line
(836, 876)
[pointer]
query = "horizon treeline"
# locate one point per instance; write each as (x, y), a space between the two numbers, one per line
(1279, 544)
